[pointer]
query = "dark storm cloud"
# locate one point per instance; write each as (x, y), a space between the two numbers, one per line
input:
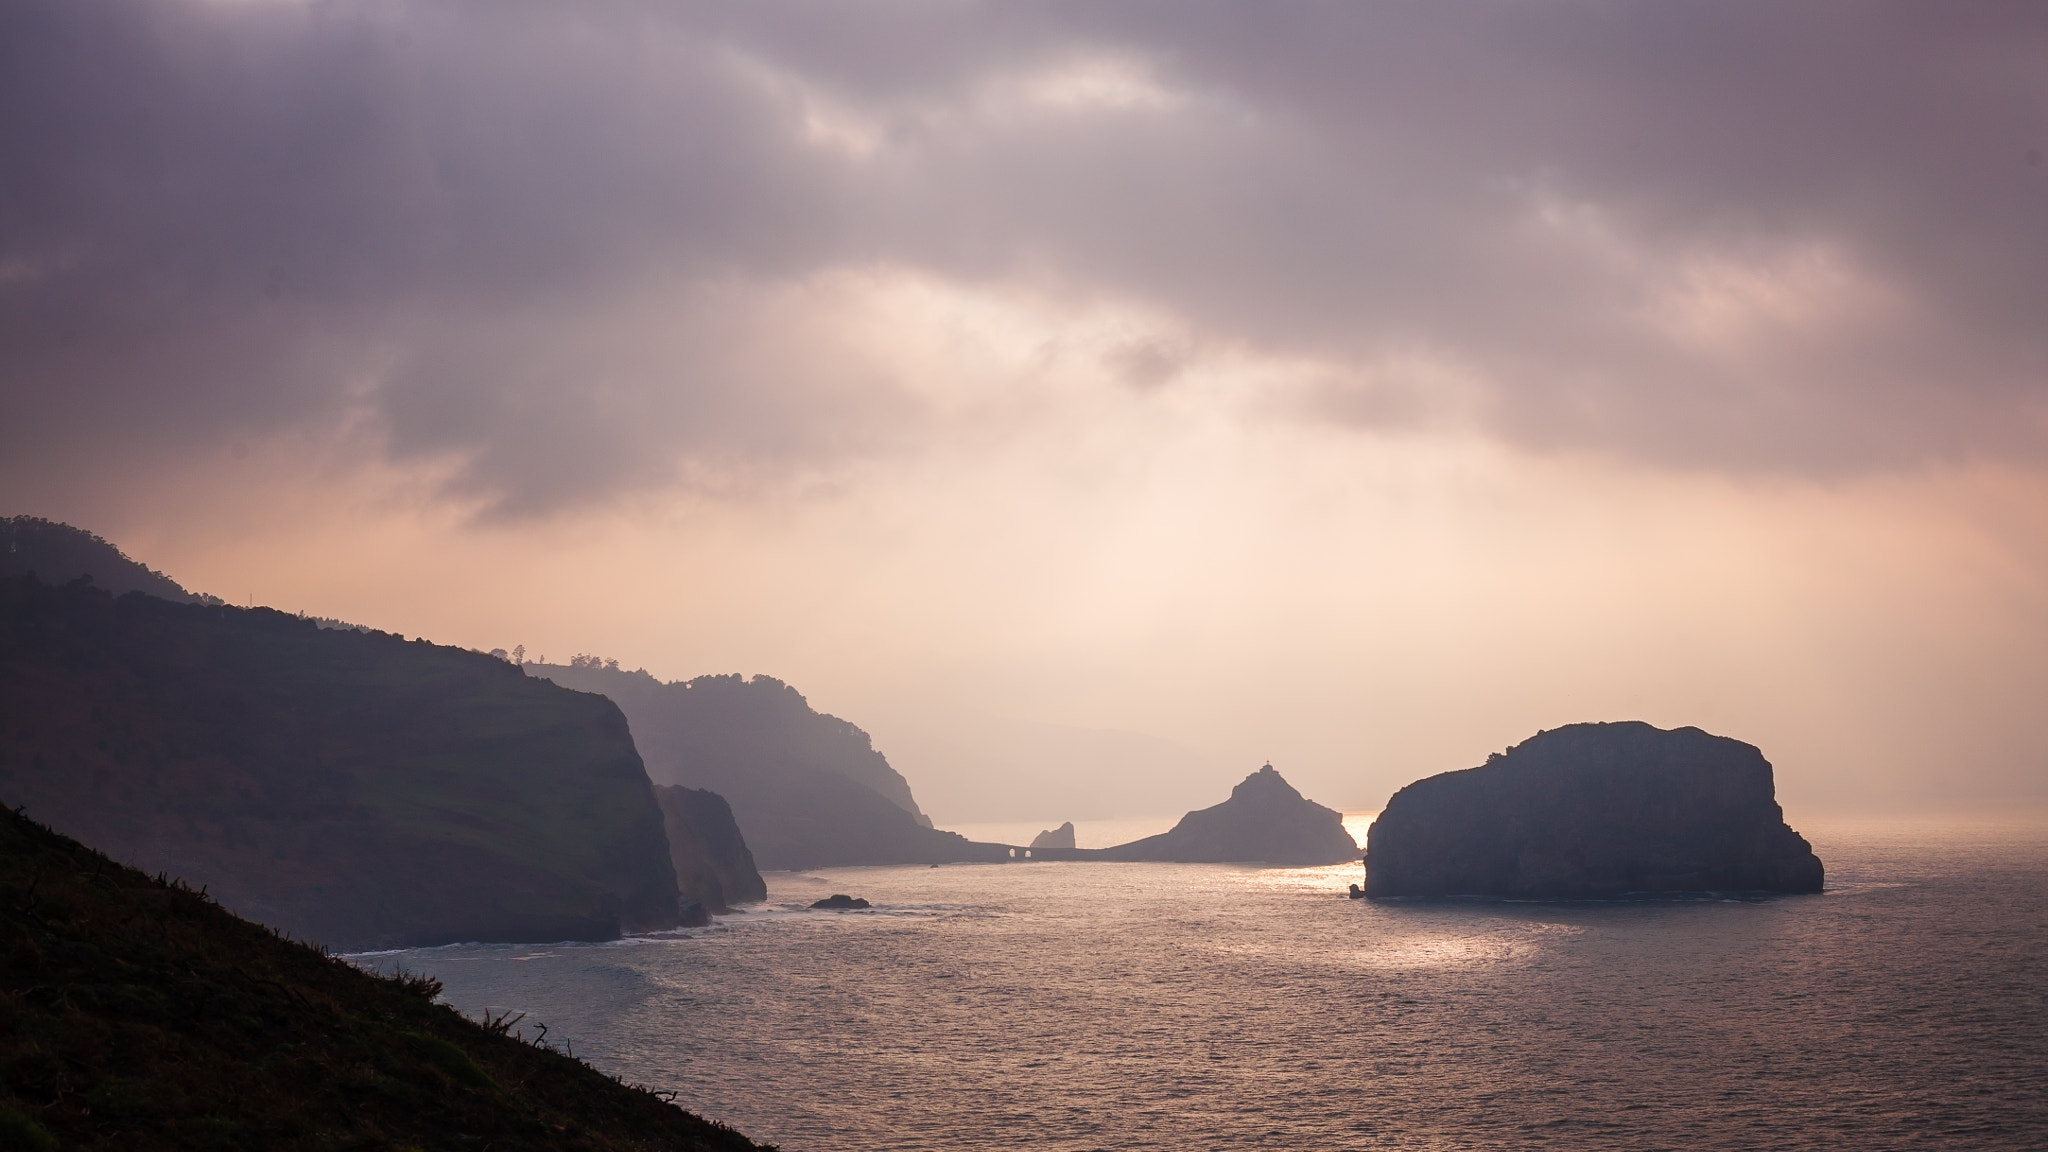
(220, 219)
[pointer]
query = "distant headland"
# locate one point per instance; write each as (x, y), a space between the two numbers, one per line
(808, 790)
(1265, 821)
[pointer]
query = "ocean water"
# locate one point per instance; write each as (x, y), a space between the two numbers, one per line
(1063, 1006)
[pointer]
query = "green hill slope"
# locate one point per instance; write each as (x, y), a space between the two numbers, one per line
(139, 1015)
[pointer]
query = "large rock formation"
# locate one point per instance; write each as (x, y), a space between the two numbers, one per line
(1593, 810)
(809, 790)
(350, 787)
(1060, 838)
(1265, 820)
(714, 869)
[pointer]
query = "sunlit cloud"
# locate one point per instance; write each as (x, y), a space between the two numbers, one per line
(1094, 84)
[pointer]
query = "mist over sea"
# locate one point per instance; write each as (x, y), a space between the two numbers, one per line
(1067, 1006)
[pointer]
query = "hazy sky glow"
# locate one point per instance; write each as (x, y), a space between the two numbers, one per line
(1362, 387)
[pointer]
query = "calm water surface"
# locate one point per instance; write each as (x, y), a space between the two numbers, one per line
(1138, 1006)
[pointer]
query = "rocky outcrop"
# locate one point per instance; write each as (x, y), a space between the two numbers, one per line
(808, 790)
(1060, 838)
(1265, 820)
(714, 869)
(349, 787)
(841, 901)
(1590, 811)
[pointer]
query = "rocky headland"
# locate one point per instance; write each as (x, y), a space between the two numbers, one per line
(809, 790)
(1593, 811)
(1264, 821)
(350, 787)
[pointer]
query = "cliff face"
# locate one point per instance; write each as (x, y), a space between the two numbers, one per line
(1264, 820)
(713, 867)
(1593, 810)
(351, 788)
(808, 790)
(727, 722)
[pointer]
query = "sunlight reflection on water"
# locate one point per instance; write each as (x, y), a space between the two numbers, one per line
(1357, 822)
(1158, 1006)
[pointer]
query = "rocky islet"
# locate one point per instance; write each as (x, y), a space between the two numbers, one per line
(1265, 821)
(1593, 811)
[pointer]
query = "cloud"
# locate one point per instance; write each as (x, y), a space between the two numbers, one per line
(570, 253)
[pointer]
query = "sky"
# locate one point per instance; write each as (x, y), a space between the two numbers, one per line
(1092, 401)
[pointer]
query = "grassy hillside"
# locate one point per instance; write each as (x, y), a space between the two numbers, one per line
(140, 1015)
(353, 788)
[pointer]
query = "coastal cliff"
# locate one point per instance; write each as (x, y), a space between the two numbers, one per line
(349, 787)
(1593, 810)
(1264, 820)
(714, 869)
(808, 790)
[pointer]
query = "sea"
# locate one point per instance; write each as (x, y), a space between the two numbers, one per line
(1073, 1006)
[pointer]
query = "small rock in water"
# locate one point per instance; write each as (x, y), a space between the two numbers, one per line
(841, 900)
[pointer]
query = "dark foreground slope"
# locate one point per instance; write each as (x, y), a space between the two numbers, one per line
(1593, 810)
(352, 788)
(140, 1015)
(809, 790)
(1264, 820)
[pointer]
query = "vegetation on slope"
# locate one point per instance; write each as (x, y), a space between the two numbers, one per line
(139, 1014)
(58, 554)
